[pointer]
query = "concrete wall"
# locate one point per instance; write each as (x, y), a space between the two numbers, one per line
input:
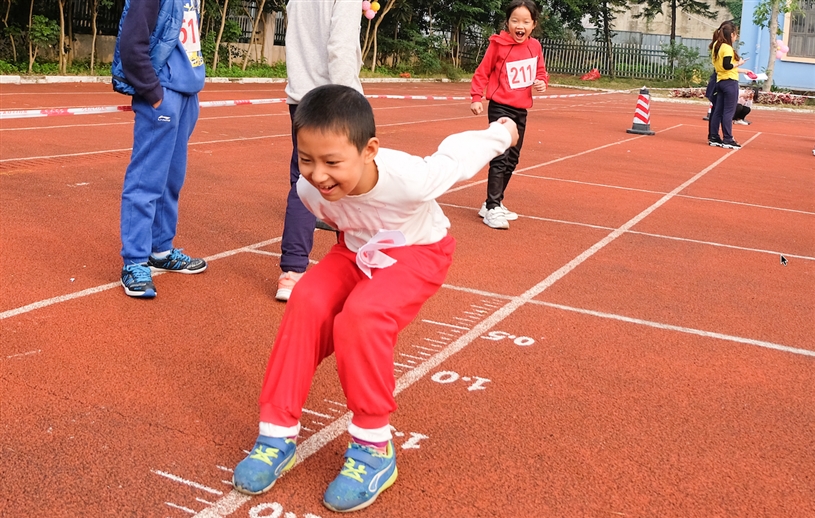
(269, 52)
(687, 25)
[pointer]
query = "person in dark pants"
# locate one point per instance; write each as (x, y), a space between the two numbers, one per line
(726, 62)
(511, 67)
(322, 47)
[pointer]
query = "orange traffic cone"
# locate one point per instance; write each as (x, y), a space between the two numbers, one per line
(709, 110)
(642, 115)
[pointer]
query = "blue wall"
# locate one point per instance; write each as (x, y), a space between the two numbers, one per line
(755, 45)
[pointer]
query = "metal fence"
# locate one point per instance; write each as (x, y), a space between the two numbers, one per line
(627, 60)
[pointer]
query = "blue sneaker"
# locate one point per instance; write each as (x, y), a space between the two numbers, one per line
(270, 458)
(366, 473)
(138, 281)
(177, 262)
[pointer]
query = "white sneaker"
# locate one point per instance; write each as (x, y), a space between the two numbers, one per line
(495, 218)
(741, 121)
(285, 284)
(509, 215)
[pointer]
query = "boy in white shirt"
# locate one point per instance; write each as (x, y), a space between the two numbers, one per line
(393, 254)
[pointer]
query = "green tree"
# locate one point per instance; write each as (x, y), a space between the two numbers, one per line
(651, 8)
(42, 32)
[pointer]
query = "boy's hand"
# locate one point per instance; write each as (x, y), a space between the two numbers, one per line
(509, 124)
(157, 104)
(476, 108)
(540, 86)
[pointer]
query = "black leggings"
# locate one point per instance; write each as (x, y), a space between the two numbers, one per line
(741, 112)
(501, 167)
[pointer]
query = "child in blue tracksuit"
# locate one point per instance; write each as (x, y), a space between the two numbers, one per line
(158, 61)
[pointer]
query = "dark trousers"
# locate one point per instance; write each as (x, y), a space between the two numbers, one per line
(727, 97)
(298, 227)
(741, 112)
(501, 167)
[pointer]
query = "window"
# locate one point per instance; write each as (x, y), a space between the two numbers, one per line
(801, 31)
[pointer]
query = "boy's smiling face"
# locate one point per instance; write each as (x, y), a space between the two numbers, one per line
(334, 166)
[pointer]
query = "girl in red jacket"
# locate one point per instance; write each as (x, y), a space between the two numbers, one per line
(512, 65)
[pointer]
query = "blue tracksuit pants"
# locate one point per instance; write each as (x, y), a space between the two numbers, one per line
(298, 227)
(153, 180)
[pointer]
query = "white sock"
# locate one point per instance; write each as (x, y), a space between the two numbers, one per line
(161, 255)
(273, 430)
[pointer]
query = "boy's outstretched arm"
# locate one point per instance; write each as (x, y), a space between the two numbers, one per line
(461, 156)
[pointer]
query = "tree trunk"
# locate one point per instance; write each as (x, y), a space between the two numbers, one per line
(95, 7)
(366, 47)
(31, 53)
(673, 23)
(611, 68)
(381, 13)
(220, 34)
(773, 28)
(70, 57)
(10, 36)
(61, 37)
(254, 36)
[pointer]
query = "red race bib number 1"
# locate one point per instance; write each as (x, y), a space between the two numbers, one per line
(190, 36)
(521, 74)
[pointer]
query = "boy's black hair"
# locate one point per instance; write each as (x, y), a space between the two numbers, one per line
(337, 109)
(531, 6)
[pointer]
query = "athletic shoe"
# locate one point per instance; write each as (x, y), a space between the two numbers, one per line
(177, 262)
(495, 218)
(741, 122)
(270, 458)
(285, 283)
(714, 141)
(138, 281)
(813, 151)
(508, 214)
(732, 144)
(367, 472)
(706, 118)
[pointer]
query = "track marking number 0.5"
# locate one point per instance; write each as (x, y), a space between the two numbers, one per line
(523, 341)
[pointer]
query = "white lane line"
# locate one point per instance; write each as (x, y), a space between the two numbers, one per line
(681, 329)
(21, 355)
(561, 159)
(91, 291)
(445, 325)
(408, 367)
(649, 323)
(650, 234)
(318, 414)
(233, 500)
(184, 481)
(648, 191)
(185, 509)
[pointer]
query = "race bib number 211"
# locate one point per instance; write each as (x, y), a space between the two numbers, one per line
(521, 74)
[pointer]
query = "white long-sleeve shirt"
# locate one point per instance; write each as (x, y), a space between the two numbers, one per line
(404, 197)
(322, 45)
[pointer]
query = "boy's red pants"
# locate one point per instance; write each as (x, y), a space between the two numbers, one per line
(335, 308)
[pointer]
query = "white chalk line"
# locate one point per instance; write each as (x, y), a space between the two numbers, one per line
(98, 289)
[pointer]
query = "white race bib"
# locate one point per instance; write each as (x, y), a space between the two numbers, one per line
(521, 74)
(190, 36)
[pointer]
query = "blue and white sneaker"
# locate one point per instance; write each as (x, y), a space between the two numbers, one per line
(366, 473)
(270, 458)
(138, 281)
(177, 262)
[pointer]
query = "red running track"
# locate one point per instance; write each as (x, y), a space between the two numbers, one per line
(632, 346)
